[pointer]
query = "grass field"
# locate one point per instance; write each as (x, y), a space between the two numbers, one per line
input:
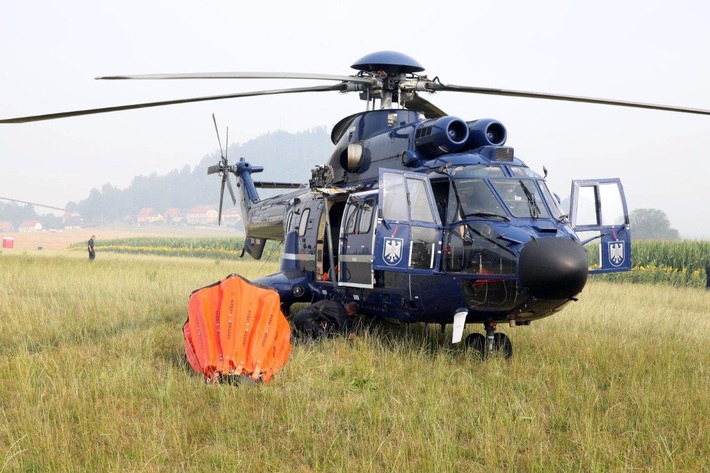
(93, 378)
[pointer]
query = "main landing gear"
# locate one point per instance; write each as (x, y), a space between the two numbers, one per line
(490, 344)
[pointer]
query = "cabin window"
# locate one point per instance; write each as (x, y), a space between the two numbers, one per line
(351, 220)
(303, 224)
(289, 221)
(366, 216)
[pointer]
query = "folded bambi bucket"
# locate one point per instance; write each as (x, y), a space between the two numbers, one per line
(236, 328)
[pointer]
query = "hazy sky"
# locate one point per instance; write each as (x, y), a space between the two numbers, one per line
(648, 51)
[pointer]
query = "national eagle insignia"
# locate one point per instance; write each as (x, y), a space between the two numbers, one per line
(616, 253)
(392, 253)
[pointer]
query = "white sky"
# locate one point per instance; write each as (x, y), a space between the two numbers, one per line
(648, 51)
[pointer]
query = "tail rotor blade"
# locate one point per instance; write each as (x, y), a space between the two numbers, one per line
(213, 169)
(226, 149)
(218, 138)
(221, 199)
(231, 190)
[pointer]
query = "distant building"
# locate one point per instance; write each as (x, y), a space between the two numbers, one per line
(6, 226)
(72, 219)
(29, 226)
(231, 217)
(206, 214)
(173, 215)
(148, 215)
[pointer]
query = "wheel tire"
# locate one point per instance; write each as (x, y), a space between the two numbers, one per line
(503, 344)
(477, 343)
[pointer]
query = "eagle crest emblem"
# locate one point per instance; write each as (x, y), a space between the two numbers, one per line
(616, 253)
(392, 253)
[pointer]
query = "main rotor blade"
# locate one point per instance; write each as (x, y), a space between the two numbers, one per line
(565, 98)
(119, 108)
(243, 75)
(277, 185)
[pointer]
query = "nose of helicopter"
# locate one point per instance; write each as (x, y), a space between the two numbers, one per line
(553, 268)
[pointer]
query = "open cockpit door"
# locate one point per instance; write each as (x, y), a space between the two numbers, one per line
(408, 226)
(598, 211)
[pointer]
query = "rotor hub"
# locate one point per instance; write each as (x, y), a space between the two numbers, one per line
(391, 62)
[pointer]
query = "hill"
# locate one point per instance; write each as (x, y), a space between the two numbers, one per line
(285, 157)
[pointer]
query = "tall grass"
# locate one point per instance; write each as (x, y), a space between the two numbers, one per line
(93, 378)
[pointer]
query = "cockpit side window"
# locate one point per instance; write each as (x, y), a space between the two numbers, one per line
(395, 194)
(419, 201)
(557, 212)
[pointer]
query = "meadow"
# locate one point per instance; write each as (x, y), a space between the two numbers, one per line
(93, 378)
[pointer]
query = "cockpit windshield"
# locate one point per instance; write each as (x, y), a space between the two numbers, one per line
(522, 197)
(486, 192)
(475, 199)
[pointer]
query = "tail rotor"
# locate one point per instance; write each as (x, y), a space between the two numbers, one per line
(224, 169)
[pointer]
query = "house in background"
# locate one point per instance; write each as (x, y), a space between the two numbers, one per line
(29, 226)
(173, 215)
(231, 217)
(206, 214)
(148, 215)
(72, 219)
(6, 226)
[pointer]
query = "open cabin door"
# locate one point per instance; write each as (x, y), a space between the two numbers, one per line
(598, 211)
(355, 250)
(409, 233)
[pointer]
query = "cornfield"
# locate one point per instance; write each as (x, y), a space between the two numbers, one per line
(218, 248)
(678, 263)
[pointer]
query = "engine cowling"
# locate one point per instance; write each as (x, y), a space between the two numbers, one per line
(486, 132)
(441, 136)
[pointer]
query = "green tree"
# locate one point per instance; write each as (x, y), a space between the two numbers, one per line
(652, 224)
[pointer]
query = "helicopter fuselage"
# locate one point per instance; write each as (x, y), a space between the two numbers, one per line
(422, 229)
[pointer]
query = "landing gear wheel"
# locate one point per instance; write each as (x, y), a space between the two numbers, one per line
(503, 344)
(477, 343)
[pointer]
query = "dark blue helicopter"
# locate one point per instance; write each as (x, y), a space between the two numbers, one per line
(424, 217)
(420, 216)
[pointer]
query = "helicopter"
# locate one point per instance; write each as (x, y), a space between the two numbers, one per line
(419, 216)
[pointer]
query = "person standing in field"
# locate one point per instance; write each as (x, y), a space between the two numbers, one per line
(92, 252)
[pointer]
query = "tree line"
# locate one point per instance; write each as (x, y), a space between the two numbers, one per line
(284, 156)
